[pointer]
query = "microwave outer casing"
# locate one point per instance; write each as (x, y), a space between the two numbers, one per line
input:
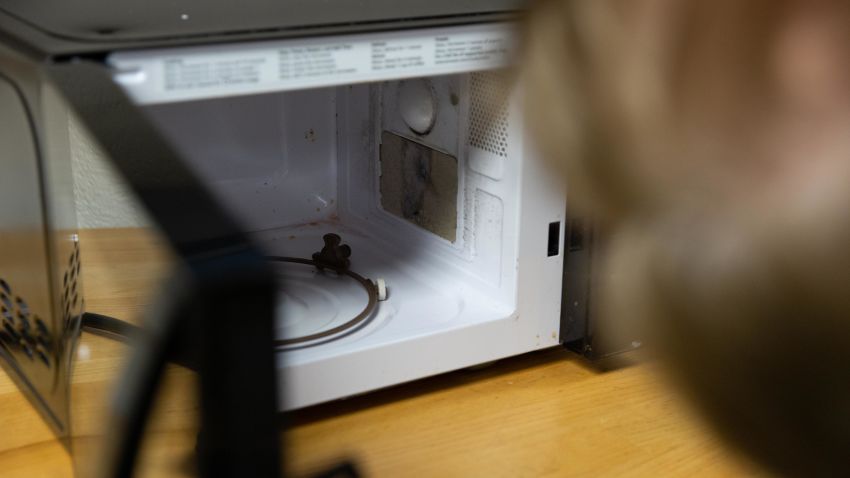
(41, 41)
(39, 255)
(47, 32)
(35, 35)
(54, 28)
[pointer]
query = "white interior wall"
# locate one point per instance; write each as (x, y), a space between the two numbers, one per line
(269, 159)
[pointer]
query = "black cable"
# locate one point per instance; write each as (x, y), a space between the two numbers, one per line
(121, 331)
(110, 327)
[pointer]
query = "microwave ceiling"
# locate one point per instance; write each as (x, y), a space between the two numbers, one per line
(61, 27)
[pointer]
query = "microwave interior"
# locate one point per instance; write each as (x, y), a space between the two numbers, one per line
(432, 186)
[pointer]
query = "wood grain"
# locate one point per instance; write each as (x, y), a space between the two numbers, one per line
(542, 414)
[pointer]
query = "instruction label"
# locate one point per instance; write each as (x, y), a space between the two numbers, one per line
(180, 74)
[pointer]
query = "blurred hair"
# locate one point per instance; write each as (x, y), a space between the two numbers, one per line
(712, 140)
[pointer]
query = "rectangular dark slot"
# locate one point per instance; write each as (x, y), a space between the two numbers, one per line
(554, 238)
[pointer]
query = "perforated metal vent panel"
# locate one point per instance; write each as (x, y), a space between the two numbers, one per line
(71, 301)
(488, 112)
(23, 333)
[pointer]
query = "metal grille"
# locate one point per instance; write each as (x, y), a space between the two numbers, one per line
(25, 333)
(71, 302)
(22, 331)
(488, 112)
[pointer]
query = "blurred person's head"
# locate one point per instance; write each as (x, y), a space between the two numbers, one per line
(711, 138)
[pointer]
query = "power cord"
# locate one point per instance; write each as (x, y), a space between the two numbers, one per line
(110, 327)
(122, 331)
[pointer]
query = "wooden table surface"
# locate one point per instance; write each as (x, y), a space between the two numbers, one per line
(541, 414)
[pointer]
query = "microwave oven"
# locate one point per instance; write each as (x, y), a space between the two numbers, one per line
(375, 153)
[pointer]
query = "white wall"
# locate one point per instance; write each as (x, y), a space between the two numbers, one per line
(102, 200)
